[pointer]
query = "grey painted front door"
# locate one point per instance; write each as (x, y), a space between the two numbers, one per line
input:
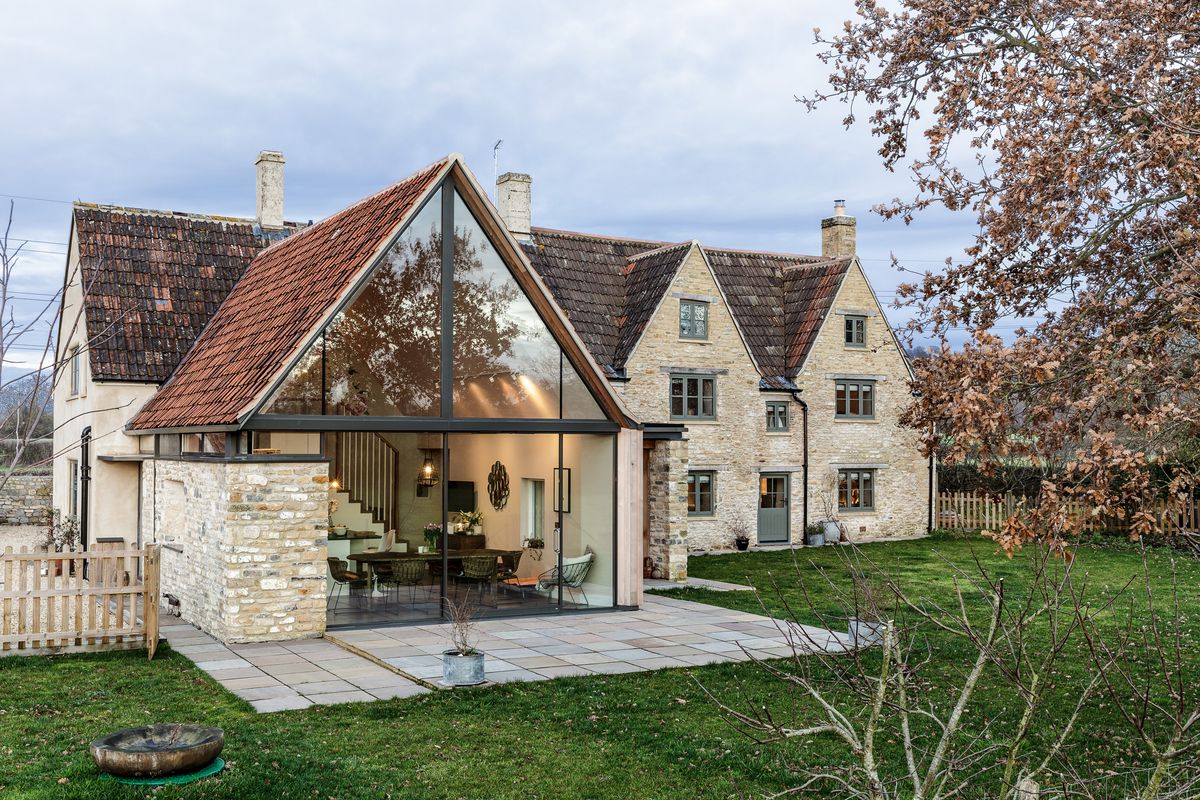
(773, 497)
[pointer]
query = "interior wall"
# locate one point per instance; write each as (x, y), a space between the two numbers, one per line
(589, 524)
(590, 521)
(533, 455)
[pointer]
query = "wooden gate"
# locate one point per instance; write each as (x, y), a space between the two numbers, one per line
(49, 606)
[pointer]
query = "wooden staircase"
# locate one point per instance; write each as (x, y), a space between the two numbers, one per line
(367, 466)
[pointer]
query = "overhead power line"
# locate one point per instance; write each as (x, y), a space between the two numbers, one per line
(35, 199)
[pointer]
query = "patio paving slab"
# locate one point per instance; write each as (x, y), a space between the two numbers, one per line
(405, 661)
(289, 703)
(353, 696)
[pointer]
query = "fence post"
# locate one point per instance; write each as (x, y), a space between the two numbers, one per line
(150, 564)
(1027, 789)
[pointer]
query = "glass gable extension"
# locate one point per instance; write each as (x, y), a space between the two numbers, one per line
(468, 458)
(506, 361)
(381, 355)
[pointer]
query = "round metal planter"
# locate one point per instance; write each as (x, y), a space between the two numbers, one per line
(865, 633)
(155, 751)
(459, 670)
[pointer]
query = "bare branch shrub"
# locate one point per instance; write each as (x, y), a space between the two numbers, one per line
(909, 731)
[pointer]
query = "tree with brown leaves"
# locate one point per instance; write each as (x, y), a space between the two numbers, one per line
(1070, 130)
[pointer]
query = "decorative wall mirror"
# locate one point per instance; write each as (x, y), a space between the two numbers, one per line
(498, 486)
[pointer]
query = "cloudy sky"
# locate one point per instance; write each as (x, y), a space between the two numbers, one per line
(648, 119)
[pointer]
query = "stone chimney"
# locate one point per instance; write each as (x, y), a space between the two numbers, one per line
(513, 191)
(838, 233)
(268, 186)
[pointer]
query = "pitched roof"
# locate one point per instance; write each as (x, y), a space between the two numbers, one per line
(610, 287)
(153, 279)
(264, 320)
(587, 276)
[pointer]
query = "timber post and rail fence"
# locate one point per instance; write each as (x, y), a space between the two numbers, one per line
(976, 511)
(100, 599)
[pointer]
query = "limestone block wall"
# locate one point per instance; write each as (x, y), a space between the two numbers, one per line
(667, 463)
(244, 544)
(736, 445)
(25, 500)
(901, 472)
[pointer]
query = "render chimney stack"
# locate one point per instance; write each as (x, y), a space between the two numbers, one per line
(838, 233)
(513, 192)
(268, 184)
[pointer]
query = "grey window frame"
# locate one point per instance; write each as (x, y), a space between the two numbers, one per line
(854, 471)
(693, 304)
(780, 407)
(685, 377)
(857, 413)
(855, 324)
(73, 493)
(712, 492)
(76, 372)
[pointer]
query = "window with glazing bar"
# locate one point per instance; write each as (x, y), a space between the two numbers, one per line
(854, 399)
(777, 416)
(693, 397)
(76, 371)
(856, 331)
(701, 495)
(856, 489)
(693, 319)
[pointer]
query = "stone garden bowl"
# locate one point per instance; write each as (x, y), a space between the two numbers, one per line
(156, 751)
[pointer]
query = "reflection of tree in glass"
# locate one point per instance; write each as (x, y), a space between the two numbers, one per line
(382, 353)
(507, 363)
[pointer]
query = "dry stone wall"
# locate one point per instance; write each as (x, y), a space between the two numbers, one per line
(25, 500)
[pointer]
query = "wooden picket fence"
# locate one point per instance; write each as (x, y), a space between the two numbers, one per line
(49, 606)
(972, 512)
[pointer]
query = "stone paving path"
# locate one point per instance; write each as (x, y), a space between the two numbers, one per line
(289, 675)
(664, 633)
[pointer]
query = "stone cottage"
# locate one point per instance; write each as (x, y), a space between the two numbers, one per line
(341, 423)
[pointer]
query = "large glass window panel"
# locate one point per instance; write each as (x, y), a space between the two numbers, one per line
(381, 355)
(589, 525)
(506, 361)
(577, 399)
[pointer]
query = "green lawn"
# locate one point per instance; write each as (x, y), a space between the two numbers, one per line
(1100, 745)
(625, 736)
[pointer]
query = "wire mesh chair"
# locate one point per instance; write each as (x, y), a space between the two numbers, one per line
(342, 577)
(481, 570)
(410, 572)
(574, 573)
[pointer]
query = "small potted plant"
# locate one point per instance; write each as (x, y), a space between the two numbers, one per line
(336, 530)
(472, 521)
(433, 535)
(866, 625)
(741, 539)
(462, 664)
(61, 534)
(814, 534)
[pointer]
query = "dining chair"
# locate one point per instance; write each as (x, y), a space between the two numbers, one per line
(343, 577)
(481, 570)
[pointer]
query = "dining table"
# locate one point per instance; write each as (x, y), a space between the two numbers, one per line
(370, 557)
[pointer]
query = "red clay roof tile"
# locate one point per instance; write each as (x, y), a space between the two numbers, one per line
(284, 295)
